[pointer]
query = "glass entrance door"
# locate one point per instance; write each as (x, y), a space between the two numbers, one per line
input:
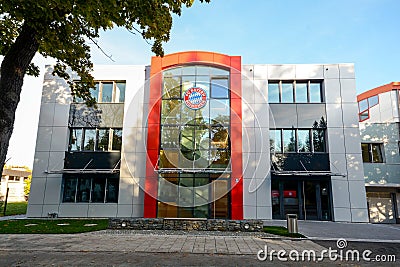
(309, 199)
(310, 206)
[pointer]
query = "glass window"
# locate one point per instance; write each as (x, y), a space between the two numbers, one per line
(365, 153)
(169, 158)
(186, 196)
(289, 140)
(301, 92)
(170, 137)
(303, 140)
(76, 139)
(219, 72)
(90, 139)
(172, 88)
(171, 111)
(275, 140)
(219, 137)
(287, 93)
(376, 151)
(363, 105)
(188, 82)
(315, 92)
(98, 190)
(219, 112)
(69, 189)
(219, 88)
(94, 92)
(112, 190)
(189, 70)
(319, 140)
(373, 101)
(168, 189)
(364, 115)
(273, 92)
(83, 194)
(219, 159)
(120, 92)
(102, 140)
(117, 139)
(202, 70)
(107, 92)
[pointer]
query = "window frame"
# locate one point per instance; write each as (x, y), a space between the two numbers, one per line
(297, 149)
(96, 141)
(371, 157)
(99, 96)
(76, 180)
(294, 91)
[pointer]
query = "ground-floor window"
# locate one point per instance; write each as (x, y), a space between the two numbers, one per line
(309, 199)
(94, 189)
(188, 195)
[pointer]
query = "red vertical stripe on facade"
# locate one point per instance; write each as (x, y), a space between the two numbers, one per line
(153, 138)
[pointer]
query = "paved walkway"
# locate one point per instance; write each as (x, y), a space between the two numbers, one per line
(367, 232)
(107, 241)
(13, 217)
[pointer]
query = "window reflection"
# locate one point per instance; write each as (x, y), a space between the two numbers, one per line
(107, 92)
(219, 88)
(76, 139)
(102, 144)
(172, 88)
(90, 139)
(219, 112)
(319, 140)
(275, 141)
(287, 93)
(273, 92)
(294, 92)
(219, 137)
(301, 92)
(304, 141)
(289, 141)
(315, 92)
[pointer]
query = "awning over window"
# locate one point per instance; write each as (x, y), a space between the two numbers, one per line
(83, 171)
(191, 170)
(306, 173)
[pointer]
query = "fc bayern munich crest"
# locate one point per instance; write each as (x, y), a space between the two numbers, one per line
(195, 98)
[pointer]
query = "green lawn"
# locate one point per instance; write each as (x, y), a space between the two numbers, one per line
(280, 230)
(14, 208)
(52, 226)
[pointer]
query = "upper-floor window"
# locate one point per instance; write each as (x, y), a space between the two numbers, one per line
(107, 92)
(294, 92)
(95, 139)
(364, 106)
(372, 152)
(297, 140)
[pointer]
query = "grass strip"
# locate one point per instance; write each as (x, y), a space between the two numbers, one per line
(52, 226)
(282, 231)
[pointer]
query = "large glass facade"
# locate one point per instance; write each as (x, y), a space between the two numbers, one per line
(194, 158)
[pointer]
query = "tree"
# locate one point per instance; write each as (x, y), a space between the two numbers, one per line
(27, 185)
(62, 30)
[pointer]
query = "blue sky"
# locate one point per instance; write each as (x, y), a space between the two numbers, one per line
(364, 32)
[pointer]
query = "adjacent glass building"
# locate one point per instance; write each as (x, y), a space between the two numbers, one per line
(199, 135)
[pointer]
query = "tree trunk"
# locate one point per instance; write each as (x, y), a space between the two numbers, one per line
(13, 69)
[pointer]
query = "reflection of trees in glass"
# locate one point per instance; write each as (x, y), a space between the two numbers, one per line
(318, 134)
(103, 137)
(172, 87)
(289, 140)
